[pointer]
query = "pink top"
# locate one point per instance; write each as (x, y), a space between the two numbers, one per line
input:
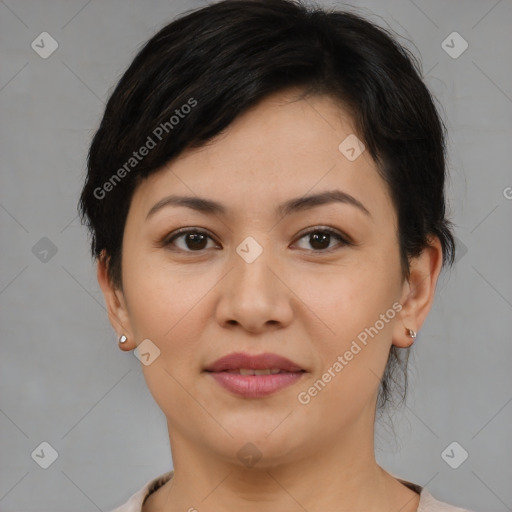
(427, 502)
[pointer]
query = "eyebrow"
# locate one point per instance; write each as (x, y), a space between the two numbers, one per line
(208, 206)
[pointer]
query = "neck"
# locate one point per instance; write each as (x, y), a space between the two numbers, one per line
(339, 476)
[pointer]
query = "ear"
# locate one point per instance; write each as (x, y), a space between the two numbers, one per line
(116, 304)
(418, 292)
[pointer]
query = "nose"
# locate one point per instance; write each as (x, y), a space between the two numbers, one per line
(254, 296)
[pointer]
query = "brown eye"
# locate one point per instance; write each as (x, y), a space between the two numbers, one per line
(192, 240)
(320, 239)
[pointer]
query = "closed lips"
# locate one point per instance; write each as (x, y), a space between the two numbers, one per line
(249, 371)
(260, 364)
(254, 376)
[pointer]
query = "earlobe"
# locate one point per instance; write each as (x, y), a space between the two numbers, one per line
(418, 293)
(123, 345)
(115, 303)
(405, 338)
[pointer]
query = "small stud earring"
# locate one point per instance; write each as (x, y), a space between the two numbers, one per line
(122, 339)
(411, 333)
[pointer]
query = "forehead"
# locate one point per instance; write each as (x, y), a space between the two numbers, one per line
(283, 147)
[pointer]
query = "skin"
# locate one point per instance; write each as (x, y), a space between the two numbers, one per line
(304, 301)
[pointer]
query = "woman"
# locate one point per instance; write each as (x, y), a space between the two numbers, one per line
(265, 196)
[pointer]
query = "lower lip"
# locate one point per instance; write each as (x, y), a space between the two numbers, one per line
(255, 386)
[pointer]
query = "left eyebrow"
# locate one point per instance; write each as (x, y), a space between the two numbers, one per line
(330, 196)
(293, 205)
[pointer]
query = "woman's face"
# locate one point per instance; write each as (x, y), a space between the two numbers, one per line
(256, 282)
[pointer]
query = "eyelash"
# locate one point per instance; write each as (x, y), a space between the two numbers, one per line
(344, 241)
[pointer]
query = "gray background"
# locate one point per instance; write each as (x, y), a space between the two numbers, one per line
(63, 379)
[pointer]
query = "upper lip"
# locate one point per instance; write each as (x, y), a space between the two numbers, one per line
(239, 360)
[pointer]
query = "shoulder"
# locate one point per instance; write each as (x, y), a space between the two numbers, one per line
(134, 504)
(428, 503)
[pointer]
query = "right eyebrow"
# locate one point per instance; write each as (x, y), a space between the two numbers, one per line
(195, 203)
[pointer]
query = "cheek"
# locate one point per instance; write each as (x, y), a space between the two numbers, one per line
(161, 296)
(352, 312)
(172, 307)
(346, 300)
(169, 308)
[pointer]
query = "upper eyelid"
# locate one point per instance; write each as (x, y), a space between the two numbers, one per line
(184, 231)
(320, 228)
